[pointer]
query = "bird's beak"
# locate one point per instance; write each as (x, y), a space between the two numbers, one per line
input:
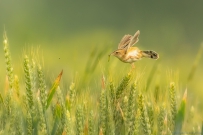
(110, 56)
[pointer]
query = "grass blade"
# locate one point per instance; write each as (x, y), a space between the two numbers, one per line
(53, 89)
(180, 114)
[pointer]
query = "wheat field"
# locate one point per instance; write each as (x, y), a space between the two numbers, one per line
(129, 103)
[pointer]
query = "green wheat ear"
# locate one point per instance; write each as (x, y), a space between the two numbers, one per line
(103, 108)
(131, 109)
(42, 121)
(9, 68)
(9, 72)
(172, 105)
(109, 116)
(33, 75)
(79, 120)
(124, 83)
(29, 124)
(91, 123)
(137, 122)
(144, 116)
(29, 93)
(42, 88)
(68, 124)
(124, 110)
(162, 117)
(112, 92)
(72, 94)
(16, 86)
(62, 112)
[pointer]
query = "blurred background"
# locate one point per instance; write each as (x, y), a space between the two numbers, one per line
(77, 36)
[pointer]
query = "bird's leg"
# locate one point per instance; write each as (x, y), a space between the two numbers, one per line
(133, 66)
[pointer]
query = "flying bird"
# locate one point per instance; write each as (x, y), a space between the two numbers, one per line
(129, 54)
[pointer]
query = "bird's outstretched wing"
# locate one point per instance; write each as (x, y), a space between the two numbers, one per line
(124, 41)
(134, 39)
(128, 40)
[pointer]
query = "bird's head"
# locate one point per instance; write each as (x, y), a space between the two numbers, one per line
(118, 53)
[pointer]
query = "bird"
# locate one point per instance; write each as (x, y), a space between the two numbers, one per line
(129, 54)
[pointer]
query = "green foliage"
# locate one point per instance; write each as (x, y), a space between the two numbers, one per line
(115, 109)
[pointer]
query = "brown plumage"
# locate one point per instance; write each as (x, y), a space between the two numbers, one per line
(128, 54)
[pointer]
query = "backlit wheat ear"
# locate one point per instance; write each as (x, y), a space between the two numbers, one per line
(124, 109)
(119, 118)
(110, 119)
(15, 121)
(124, 83)
(112, 92)
(72, 94)
(131, 109)
(33, 75)
(161, 120)
(137, 122)
(144, 116)
(42, 87)
(42, 121)
(68, 124)
(16, 86)
(9, 72)
(172, 105)
(62, 112)
(29, 124)
(91, 125)
(7, 55)
(18, 123)
(150, 112)
(79, 120)
(103, 108)
(28, 84)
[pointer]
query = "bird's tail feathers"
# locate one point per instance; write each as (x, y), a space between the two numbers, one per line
(150, 54)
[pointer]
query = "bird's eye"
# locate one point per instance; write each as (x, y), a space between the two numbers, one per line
(117, 52)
